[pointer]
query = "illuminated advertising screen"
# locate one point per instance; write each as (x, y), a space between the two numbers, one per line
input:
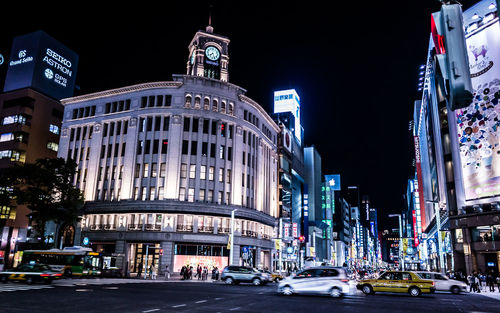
(40, 62)
(194, 260)
(289, 101)
(479, 123)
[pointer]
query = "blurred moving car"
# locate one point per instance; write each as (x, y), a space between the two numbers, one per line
(236, 274)
(274, 277)
(332, 281)
(443, 283)
(111, 272)
(30, 273)
(396, 281)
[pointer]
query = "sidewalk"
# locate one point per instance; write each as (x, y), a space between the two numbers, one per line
(492, 294)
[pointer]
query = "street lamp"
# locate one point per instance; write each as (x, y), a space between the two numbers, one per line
(401, 255)
(437, 212)
(232, 238)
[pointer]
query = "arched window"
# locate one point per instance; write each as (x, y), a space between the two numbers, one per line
(197, 102)
(223, 107)
(187, 104)
(215, 106)
(230, 109)
(206, 104)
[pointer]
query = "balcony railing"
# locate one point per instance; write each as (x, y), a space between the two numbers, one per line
(206, 229)
(134, 227)
(153, 227)
(223, 230)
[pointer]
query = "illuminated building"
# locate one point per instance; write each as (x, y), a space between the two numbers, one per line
(163, 164)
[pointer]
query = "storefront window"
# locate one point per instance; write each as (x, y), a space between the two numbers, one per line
(486, 233)
(459, 237)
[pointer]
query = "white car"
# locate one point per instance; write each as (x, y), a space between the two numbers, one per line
(443, 283)
(331, 281)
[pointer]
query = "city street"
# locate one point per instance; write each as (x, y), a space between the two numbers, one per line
(175, 296)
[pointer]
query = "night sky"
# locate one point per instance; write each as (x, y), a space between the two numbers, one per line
(354, 66)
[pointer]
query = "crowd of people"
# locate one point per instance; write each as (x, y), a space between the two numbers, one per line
(483, 282)
(201, 273)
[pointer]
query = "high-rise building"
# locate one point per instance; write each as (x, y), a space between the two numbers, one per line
(39, 72)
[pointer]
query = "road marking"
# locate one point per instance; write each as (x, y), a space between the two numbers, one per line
(84, 290)
(201, 301)
(178, 306)
(218, 298)
(234, 309)
(152, 310)
(111, 288)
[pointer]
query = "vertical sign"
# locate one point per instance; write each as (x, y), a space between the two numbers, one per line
(295, 232)
(305, 219)
(419, 181)
(286, 230)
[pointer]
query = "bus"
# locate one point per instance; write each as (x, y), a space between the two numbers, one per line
(72, 261)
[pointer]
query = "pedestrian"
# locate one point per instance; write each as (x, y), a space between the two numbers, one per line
(139, 271)
(190, 272)
(490, 281)
(216, 273)
(205, 273)
(471, 281)
(198, 272)
(167, 273)
(183, 271)
(153, 272)
(498, 283)
(477, 283)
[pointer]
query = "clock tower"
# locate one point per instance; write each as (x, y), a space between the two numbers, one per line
(208, 55)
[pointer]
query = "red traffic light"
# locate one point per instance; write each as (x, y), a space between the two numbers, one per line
(161, 251)
(301, 238)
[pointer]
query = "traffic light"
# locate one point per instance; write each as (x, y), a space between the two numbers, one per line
(161, 251)
(302, 238)
(451, 52)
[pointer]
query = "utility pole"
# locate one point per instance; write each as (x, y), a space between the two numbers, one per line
(232, 238)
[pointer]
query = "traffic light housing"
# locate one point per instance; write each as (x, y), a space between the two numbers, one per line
(451, 52)
(302, 238)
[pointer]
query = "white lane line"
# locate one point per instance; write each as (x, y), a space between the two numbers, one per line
(234, 309)
(152, 310)
(201, 301)
(84, 290)
(219, 298)
(178, 306)
(111, 288)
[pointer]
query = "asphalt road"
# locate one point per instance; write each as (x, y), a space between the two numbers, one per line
(210, 297)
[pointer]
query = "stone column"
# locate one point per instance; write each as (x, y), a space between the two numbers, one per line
(257, 258)
(470, 265)
(167, 257)
(121, 250)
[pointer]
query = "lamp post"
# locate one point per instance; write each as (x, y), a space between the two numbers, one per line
(401, 254)
(232, 238)
(437, 212)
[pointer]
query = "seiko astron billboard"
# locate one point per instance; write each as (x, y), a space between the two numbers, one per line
(40, 62)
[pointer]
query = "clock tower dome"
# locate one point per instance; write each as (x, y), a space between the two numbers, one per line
(208, 55)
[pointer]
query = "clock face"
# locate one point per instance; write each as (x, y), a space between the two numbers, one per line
(212, 53)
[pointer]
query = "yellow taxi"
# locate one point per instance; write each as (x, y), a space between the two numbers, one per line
(397, 281)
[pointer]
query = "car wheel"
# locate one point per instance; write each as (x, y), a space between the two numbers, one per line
(336, 292)
(455, 290)
(287, 291)
(367, 289)
(4, 279)
(414, 291)
(256, 282)
(229, 281)
(29, 280)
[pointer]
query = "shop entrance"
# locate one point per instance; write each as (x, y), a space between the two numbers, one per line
(144, 259)
(491, 262)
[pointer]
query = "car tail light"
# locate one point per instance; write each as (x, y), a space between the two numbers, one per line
(57, 274)
(45, 275)
(433, 283)
(345, 280)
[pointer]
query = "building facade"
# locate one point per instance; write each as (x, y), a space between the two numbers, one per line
(163, 165)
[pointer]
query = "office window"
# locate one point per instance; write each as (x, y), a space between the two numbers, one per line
(203, 172)
(160, 193)
(156, 143)
(166, 122)
(228, 177)
(151, 193)
(194, 147)
(145, 171)
(211, 173)
(154, 169)
(144, 193)
(163, 169)
(185, 146)
(206, 126)
(201, 195)
(212, 150)
(54, 129)
(187, 124)
(229, 153)
(191, 194)
(192, 171)
(221, 175)
(137, 170)
(140, 145)
(219, 198)
(210, 196)
(204, 148)
(182, 194)
(53, 146)
(183, 170)
(221, 152)
(164, 146)
(196, 123)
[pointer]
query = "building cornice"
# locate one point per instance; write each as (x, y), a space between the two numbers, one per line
(120, 91)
